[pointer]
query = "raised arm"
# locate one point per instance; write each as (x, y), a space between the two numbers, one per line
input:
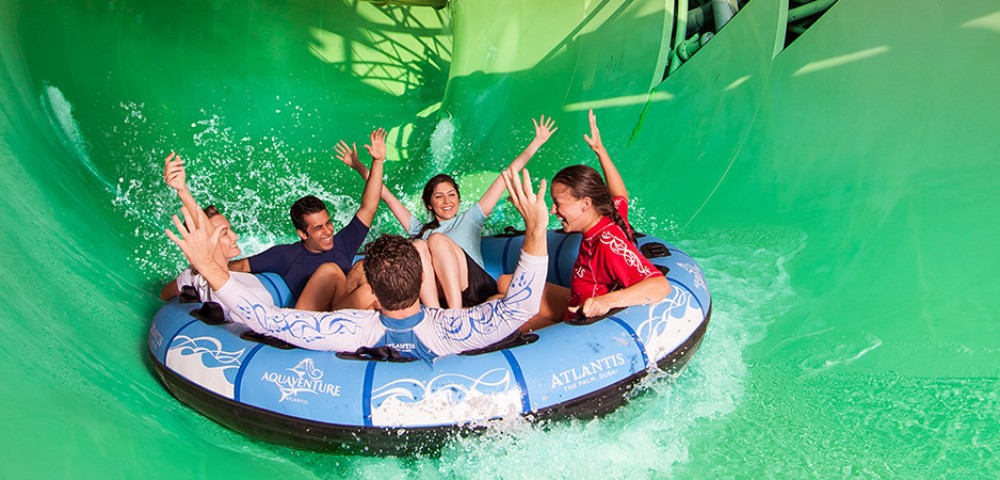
(615, 183)
(532, 208)
(176, 178)
(349, 156)
(373, 185)
(543, 130)
(197, 239)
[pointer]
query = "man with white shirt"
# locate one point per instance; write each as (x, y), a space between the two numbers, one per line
(227, 248)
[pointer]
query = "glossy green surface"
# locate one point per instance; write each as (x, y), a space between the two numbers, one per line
(839, 193)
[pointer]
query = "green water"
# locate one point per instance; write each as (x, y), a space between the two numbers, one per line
(840, 193)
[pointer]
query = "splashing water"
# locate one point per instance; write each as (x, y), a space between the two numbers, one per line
(442, 144)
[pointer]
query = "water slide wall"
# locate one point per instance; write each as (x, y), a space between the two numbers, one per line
(840, 192)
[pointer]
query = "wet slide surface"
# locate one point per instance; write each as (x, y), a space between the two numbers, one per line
(840, 194)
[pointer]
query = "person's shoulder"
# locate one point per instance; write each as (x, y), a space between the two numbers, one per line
(244, 277)
(476, 209)
(613, 237)
(185, 274)
(620, 202)
(356, 224)
(473, 214)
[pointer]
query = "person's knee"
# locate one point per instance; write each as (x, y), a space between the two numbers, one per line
(422, 249)
(439, 243)
(357, 270)
(330, 271)
(356, 277)
(358, 265)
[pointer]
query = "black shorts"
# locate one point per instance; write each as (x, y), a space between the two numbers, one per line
(481, 285)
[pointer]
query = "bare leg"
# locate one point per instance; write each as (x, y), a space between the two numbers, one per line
(555, 299)
(356, 277)
(326, 287)
(361, 298)
(450, 267)
(428, 282)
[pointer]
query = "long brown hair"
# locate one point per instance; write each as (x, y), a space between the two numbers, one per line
(429, 193)
(582, 182)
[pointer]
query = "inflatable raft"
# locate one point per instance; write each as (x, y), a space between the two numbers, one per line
(322, 401)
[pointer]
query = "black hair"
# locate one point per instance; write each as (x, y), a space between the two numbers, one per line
(429, 193)
(304, 206)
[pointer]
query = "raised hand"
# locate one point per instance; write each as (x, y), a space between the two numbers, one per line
(532, 208)
(197, 239)
(543, 128)
(377, 146)
(173, 172)
(529, 204)
(594, 140)
(347, 153)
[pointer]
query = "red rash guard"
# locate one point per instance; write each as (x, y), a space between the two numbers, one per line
(607, 261)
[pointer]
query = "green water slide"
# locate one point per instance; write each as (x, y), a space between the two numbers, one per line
(840, 192)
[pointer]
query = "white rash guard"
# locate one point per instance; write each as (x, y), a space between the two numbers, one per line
(431, 333)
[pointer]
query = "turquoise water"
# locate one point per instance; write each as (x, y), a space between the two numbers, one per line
(834, 192)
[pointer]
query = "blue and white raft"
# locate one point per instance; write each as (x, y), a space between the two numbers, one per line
(318, 400)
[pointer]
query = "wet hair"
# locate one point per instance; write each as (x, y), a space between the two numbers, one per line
(429, 193)
(582, 182)
(211, 211)
(393, 268)
(304, 206)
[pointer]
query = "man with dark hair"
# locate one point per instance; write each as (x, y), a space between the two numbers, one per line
(394, 274)
(394, 271)
(296, 262)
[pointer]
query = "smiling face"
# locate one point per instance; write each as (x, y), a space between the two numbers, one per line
(227, 242)
(575, 214)
(444, 201)
(318, 235)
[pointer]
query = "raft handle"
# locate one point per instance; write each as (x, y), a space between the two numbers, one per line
(210, 313)
(515, 339)
(655, 250)
(510, 231)
(253, 336)
(189, 294)
(582, 320)
(384, 353)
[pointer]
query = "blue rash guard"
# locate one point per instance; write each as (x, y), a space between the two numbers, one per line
(295, 264)
(431, 333)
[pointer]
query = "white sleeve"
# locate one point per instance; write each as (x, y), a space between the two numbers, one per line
(339, 330)
(191, 279)
(457, 330)
(185, 278)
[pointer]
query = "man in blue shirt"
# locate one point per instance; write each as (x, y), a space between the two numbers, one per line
(297, 262)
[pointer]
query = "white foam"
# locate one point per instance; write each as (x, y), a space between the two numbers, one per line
(442, 144)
